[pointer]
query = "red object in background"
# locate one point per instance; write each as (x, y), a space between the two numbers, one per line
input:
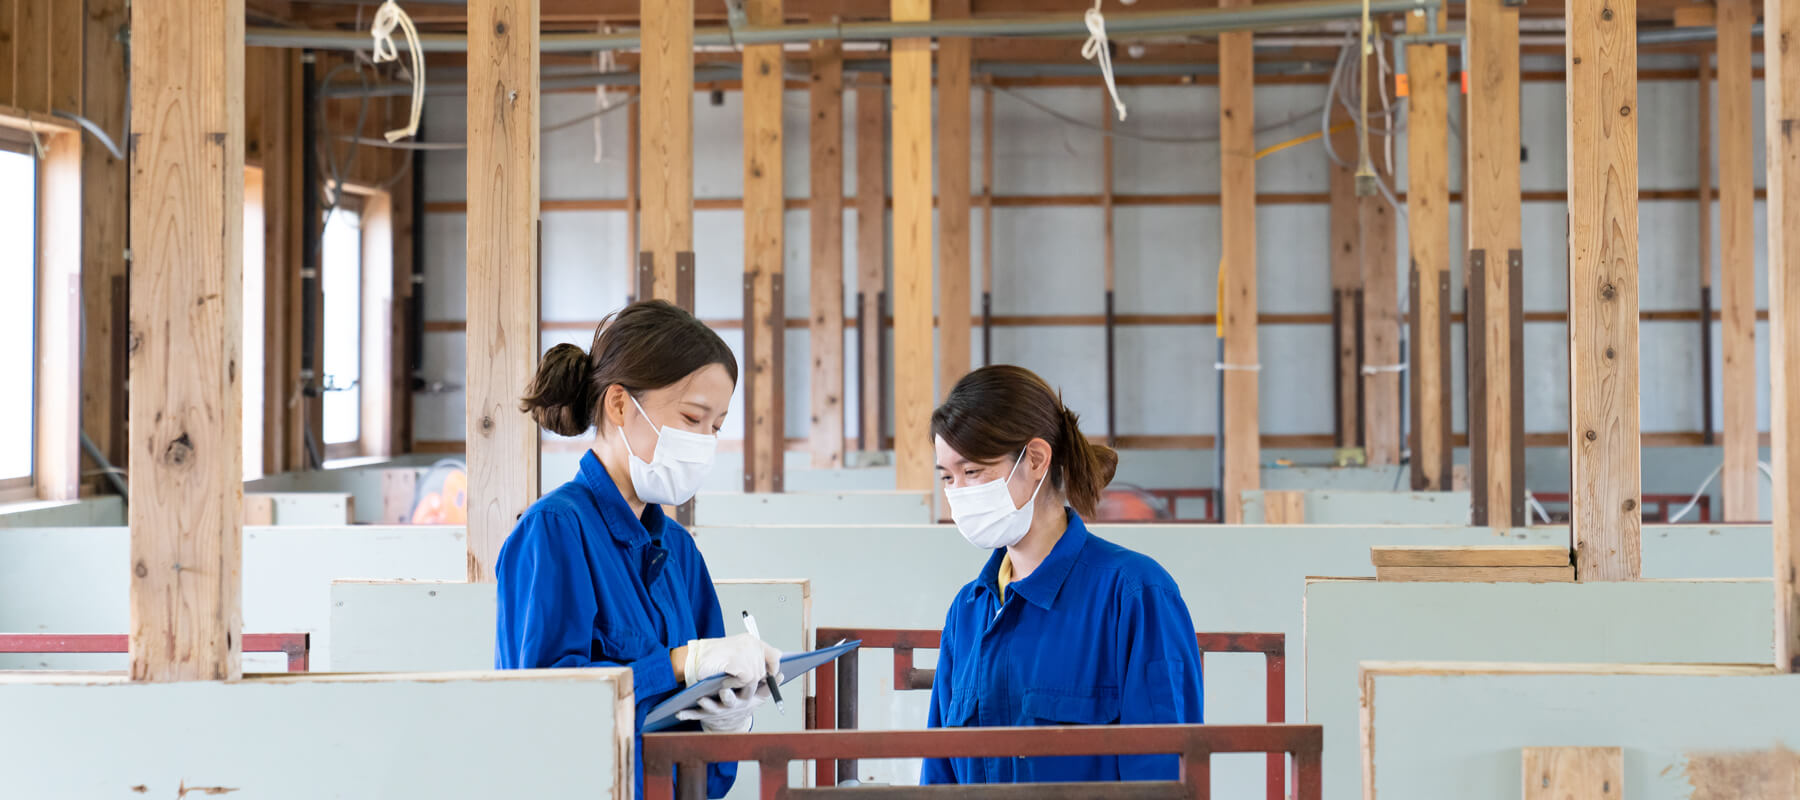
(295, 645)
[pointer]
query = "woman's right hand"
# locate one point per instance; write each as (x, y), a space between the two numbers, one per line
(744, 658)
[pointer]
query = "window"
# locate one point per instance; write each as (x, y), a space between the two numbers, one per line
(18, 315)
(253, 315)
(340, 281)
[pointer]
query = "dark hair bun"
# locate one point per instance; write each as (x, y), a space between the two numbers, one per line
(560, 397)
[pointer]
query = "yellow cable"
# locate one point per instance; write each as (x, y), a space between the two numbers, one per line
(1279, 146)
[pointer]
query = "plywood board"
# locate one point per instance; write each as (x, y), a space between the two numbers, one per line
(1284, 507)
(1470, 556)
(1566, 773)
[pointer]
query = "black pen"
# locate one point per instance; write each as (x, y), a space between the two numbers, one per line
(774, 691)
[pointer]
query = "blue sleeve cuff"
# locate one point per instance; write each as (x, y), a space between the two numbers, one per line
(653, 675)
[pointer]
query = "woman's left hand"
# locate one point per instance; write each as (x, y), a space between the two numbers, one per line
(730, 711)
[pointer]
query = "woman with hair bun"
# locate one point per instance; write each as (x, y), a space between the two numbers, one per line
(593, 574)
(1061, 627)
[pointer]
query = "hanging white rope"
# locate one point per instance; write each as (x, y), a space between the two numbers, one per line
(1095, 49)
(388, 17)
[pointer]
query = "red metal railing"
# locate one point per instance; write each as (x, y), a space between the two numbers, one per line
(295, 645)
(839, 679)
(1657, 507)
(1195, 744)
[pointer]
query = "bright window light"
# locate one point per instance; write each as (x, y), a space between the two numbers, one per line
(341, 282)
(18, 313)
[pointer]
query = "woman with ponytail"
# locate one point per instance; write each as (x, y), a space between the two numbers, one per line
(593, 574)
(1060, 627)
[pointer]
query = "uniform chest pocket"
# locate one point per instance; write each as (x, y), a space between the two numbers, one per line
(623, 644)
(1070, 707)
(960, 712)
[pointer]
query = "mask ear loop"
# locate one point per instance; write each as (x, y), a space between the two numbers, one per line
(646, 416)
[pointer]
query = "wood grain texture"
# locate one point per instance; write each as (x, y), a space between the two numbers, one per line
(1428, 245)
(1781, 94)
(9, 49)
(1345, 253)
(502, 339)
(634, 125)
(58, 465)
(1491, 212)
(284, 241)
(1772, 774)
(1739, 480)
(763, 241)
(1562, 574)
(1237, 214)
(954, 164)
(825, 143)
(1380, 318)
(1574, 773)
(187, 220)
(1703, 166)
(31, 48)
(912, 306)
(1469, 556)
(259, 509)
(1284, 508)
(66, 34)
(871, 248)
(105, 187)
(1605, 482)
(666, 139)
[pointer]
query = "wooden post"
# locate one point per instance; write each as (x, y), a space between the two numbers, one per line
(913, 372)
(764, 323)
(633, 203)
(31, 55)
(1781, 94)
(826, 145)
(105, 184)
(1604, 484)
(1704, 236)
(1109, 249)
(954, 164)
(666, 142)
(187, 226)
(1495, 257)
(1380, 317)
(503, 271)
(1737, 233)
(1428, 239)
(871, 252)
(1346, 285)
(987, 226)
(1237, 303)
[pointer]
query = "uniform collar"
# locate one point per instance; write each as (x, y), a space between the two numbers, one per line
(626, 527)
(1041, 587)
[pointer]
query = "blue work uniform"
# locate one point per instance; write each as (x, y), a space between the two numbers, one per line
(583, 582)
(1096, 635)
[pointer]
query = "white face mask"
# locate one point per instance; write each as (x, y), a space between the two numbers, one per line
(677, 468)
(985, 514)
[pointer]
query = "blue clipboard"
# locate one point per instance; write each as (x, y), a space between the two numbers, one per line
(793, 665)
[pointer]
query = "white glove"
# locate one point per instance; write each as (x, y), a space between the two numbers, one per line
(730, 711)
(743, 658)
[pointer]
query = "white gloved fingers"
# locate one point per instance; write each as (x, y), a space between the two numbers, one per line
(771, 659)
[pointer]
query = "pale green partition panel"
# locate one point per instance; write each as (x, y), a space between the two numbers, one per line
(813, 508)
(1460, 735)
(1362, 479)
(363, 483)
(1708, 551)
(442, 736)
(87, 512)
(1352, 621)
(74, 580)
(1350, 507)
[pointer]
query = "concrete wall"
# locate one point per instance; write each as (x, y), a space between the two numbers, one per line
(1457, 729)
(442, 735)
(1348, 622)
(1332, 507)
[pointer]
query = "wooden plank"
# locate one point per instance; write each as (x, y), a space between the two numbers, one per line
(666, 140)
(1428, 242)
(58, 464)
(912, 306)
(9, 49)
(1564, 574)
(65, 56)
(398, 488)
(1237, 302)
(1380, 318)
(1284, 508)
(1345, 252)
(259, 509)
(398, 372)
(1704, 235)
(825, 143)
(1110, 250)
(1737, 264)
(1557, 773)
(31, 48)
(105, 186)
(1781, 93)
(1492, 215)
(284, 243)
(633, 204)
(987, 222)
(187, 219)
(871, 248)
(503, 276)
(1605, 471)
(954, 163)
(763, 266)
(1524, 555)
(1772, 774)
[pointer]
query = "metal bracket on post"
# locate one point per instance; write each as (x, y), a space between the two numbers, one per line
(684, 280)
(778, 377)
(1475, 308)
(646, 276)
(1515, 325)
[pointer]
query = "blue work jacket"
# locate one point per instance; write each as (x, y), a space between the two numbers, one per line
(1096, 635)
(583, 582)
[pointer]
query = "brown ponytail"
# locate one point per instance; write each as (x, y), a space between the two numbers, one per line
(993, 412)
(647, 345)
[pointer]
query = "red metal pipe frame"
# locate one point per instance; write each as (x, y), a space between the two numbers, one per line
(903, 642)
(295, 645)
(1194, 743)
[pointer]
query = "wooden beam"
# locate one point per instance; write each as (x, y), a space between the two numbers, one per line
(9, 33)
(1704, 235)
(1737, 233)
(954, 163)
(1495, 252)
(913, 361)
(871, 250)
(763, 316)
(66, 34)
(187, 225)
(1237, 301)
(502, 272)
(1781, 94)
(105, 186)
(666, 142)
(1552, 773)
(1380, 315)
(1469, 556)
(987, 223)
(825, 142)
(1109, 248)
(31, 49)
(1428, 240)
(1605, 471)
(633, 203)
(1345, 253)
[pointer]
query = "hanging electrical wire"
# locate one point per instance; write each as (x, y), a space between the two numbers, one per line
(388, 17)
(1097, 50)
